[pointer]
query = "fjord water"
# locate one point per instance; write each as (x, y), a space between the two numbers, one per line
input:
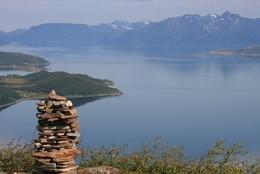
(187, 100)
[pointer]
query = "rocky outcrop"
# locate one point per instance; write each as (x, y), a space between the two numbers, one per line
(56, 146)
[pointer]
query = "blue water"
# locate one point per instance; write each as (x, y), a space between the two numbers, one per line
(191, 100)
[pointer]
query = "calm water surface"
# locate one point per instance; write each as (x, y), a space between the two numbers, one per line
(191, 101)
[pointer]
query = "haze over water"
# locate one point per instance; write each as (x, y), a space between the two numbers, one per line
(191, 100)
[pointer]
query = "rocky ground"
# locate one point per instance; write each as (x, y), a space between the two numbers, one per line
(91, 170)
(99, 170)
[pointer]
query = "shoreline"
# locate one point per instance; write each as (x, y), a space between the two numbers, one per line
(68, 97)
(31, 69)
(230, 53)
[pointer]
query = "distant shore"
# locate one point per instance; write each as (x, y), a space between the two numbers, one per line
(22, 62)
(252, 51)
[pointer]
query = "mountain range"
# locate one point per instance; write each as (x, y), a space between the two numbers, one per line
(213, 29)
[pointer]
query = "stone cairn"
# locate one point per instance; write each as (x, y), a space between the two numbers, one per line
(58, 126)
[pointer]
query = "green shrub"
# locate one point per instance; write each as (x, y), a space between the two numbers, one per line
(16, 157)
(158, 158)
(153, 158)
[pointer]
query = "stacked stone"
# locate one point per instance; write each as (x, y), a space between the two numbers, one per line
(58, 126)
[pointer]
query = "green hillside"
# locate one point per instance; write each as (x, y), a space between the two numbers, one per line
(8, 96)
(37, 85)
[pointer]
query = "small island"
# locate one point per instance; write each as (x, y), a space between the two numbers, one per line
(22, 62)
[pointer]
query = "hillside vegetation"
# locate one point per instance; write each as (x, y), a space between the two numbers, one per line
(8, 96)
(153, 158)
(37, 85)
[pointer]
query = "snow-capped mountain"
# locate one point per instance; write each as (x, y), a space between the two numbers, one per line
(124, 25)
(216, 23)
(227, 28)
(120, 25)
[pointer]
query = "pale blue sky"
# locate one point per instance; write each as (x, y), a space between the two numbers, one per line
(25, 13)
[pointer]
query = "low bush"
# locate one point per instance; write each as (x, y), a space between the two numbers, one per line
(16, 157)
(158, 158)
(153, 158)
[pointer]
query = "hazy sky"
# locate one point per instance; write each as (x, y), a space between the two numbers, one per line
(25, 13)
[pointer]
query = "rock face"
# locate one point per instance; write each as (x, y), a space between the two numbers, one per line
(58, 126)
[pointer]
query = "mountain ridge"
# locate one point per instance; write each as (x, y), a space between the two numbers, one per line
(227, 28)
